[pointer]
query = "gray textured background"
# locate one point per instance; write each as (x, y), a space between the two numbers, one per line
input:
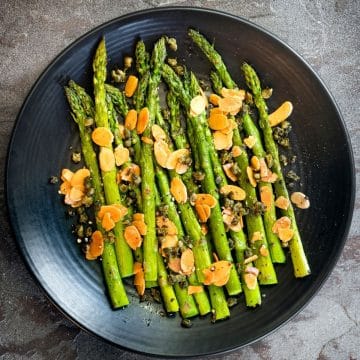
(32, 33)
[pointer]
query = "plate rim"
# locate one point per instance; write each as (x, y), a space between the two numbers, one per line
(11, 214)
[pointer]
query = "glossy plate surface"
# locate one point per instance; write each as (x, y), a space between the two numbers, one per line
(40, 148)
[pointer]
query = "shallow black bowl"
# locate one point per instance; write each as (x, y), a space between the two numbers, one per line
(40, 148)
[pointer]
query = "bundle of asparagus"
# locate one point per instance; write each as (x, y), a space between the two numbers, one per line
(178, 202)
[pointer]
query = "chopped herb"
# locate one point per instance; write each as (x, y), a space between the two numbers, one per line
(186, 323)
(76, 157)
(53, 180)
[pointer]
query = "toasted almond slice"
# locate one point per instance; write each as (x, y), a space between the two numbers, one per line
(131, 119)
(281, 113)
(250, 281)
(203, 212)
(128, 173)
(79, 177)
(266, 196)
(218, 273)
(162, 152)
(166, 223)
(121, 129)
(238, 226)
(228, 171)
(222, 141)
(255, 163)
(65, 187)
(143, 120)
(250, 259)
(178, 190)
(122, 155)
(107, 222)
(284, 223)
(263, 251)
(282, 203)
(102, 136)
(96, 246)
(66, 175)
(139, 279)
(214, 99)
(158, 133)
(132, 237)
(256, 236)
(236, 192)
(264, 170)
(229, 129)
(218, 122)
(250, 174)
(138, 217)
(300, 200)
(75, 194)
(215, 110)
(147, 140)
(231, 104)
(250, 141)
(187, 262)
(271, 178)
(117, 211)
(236, 151)
(195, 289)
(141, 226)
(205, 199)
(174, 264)
(197, 105)
(285, 235)
(233, 92)
(106, 159)
(252, 270)
(175, 157)
(169, 241)
(131, 85)
(181, 168)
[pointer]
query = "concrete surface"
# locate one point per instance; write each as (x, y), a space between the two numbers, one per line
(33, 32)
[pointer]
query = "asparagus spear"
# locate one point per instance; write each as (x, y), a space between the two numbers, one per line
(216, 223)
(147, 167)
(298, 257)
(112, 195)
(276, 250)
(222, 76)
(109, 263)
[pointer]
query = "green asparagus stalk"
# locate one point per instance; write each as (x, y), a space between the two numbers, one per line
(276, 250)
(109, 263)
(216, 223)
(112, 195)
(298, 257)
(147, 167)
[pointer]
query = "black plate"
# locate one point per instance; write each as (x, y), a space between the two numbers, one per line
(40, 148)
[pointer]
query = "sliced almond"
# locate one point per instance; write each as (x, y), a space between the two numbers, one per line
(250, 281)
(66, 175)
(264, 170)
(106, 159)
(102, 136)
(256, 236)
(175, 157)
(230, 104)
(218, 273)
(236, 151)
(222, 141)
(250, 174)
(203, 212)
(271, 178)
(284, 223)
(174, 265)
(187, 262)
(236, 192)
(143, 120)
(128, 173)
(250, 141)
(122, 155)
(65, 188)
(75, 194)
(162, 152)
(158, 133)
(282, 203)
(181, 168)
(141, 226)
(147, 140)
(204, 229)
(263, 251)
(285, 235)
(300, 200)
(281, 113)
(132, 237)
(233, 92)
(178, 190)
(266, 196)
(205, 199)
(255, 163)
(169, 241)
(195, 289)
(139, 217)
(197, 105)
(214, 99)
(229, 173)
(131, 119)
(218, 122)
